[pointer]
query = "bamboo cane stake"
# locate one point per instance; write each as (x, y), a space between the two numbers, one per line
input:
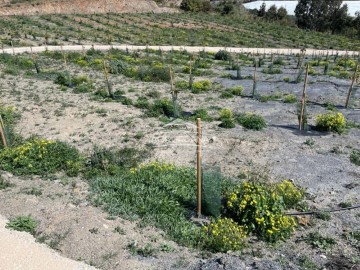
(2, 132)
(351, 86)
(303, 99)
(198, 159)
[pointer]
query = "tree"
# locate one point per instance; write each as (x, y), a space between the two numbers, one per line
(282, 13)
(195, 5)
(321, 15)
(262, 11)
(271, 14)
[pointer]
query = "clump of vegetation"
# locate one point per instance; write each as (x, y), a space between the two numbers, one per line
(224, 234)
(355, 157)
(316, 240)
(23, 224)
(223, 55)
(163, 107)
(259, 208)
(331, 121)
(104, 162)
(152, 192)
(201, 86)
(290, 98)
(203, 114)
(40, 156)
(157, 73)
(226, 118)
(9, 117)
(4, 184)
(251, 121)
(271, 70)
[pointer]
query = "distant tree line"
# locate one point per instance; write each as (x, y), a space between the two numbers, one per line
(319, 15)
(273, 13)
(326, 15)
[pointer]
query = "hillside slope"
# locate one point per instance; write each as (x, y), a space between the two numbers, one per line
(78, 6)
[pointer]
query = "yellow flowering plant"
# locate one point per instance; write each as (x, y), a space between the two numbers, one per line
(259, 208)
(40, 156)
(223, 235)
(331, 121)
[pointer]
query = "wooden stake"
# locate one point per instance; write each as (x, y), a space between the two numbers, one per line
(303, 99)
(351, 87)
(108, 84)
(198, 159)
(2, 132)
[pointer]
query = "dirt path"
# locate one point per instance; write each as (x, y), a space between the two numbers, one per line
(284, 51)
(20, 251)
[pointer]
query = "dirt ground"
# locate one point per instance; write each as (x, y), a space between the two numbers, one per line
(316, 161)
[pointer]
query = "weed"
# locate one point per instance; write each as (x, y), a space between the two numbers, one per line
(251, 121)
(345, 204)
(23, 224)
(139, 135)
(223, 55)
(316, 240)
(4, 184)
(307, 263)
(146, 251)
(202, 114)
(310, 142)
(323, 216)
(32, 191)
(355, 157)
(119, 230)
(201, 86)
(290, 98)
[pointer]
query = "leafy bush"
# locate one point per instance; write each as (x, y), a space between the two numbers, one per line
(9, 117)
(271, 70)
(201, 86)
(23, 224)
(331, 121)
(181, 84)
(290, 98)
(227, 118)
(236, 90)
(39, 156)
(195, 5)
(355, 157)
(110, 162)
(223, 235)
(117, 66)
(154, 74)
(251, 121)
(162, 107)
(223, 55)
(203, 114)
(258, 208)
(84, 88)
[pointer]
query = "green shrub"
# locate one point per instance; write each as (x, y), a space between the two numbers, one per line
(39, 156)
(142, 103)
(271, 70)
(162, 107)
(223, 55)
(117, 66)
(104, 161)
(203, 114)
(201, 86)
(4, 184)
(258, 208)
(154, 74)
(227, 118)
(251, 121)
(331, 121)
(290, 98)
(355, 157)
(84, 88)
(23, 224)
(236, 90)
(181, 84)
(223, 235)
(226, 94)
